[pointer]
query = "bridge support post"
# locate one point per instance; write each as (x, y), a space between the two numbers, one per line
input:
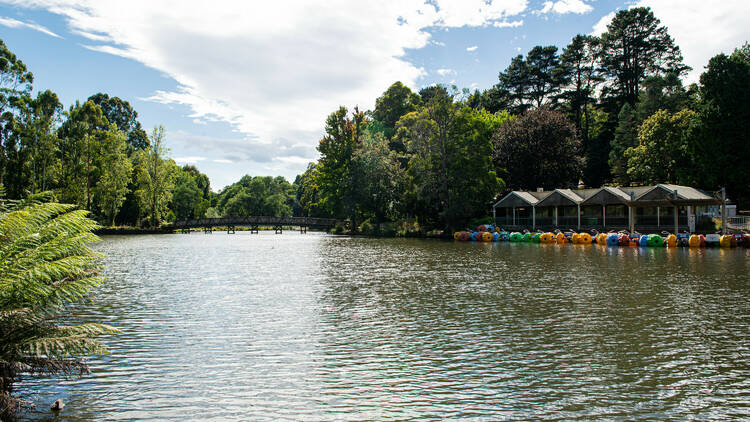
(185, 231)
(208, 230)
(302, 229)
(277, 229)
(254, 230)
(230, 230)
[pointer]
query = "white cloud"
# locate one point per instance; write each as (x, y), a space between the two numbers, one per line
(508, 24)
(600, 26)
(472, 48)
(445, 72)
(222, 161)
(274, 70)
(566, 6)
(242, 149)
(702, 29)
(188, 160)
(15, 23)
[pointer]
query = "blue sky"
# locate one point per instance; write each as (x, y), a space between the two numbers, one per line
(244, 87)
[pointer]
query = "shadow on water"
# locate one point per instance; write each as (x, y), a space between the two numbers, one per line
(318, 327)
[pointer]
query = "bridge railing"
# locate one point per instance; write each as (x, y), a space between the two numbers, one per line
(257, 221)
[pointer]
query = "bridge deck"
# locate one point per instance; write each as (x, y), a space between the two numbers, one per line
(256, 221)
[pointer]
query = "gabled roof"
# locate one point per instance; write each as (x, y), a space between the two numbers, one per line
(560, 197)
(607, 196)
(688, 193)
(519, 198)
(656, 195)
(586, 193)
(674, 194)
(633, 191)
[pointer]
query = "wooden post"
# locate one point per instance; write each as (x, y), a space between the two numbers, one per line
(514, 216)
(604, 217)
(556, 216)
(230, 230)
(278, 229)
(631, 219)
(723, 211)
(254, 230)
(676, 221)
(302, 229)
(533, 218)
(658, 217)
(579, 217)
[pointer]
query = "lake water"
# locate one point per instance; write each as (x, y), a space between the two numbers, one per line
(319, 327)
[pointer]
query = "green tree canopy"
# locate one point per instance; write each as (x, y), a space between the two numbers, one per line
(719, 145)
(122, 114)
(396, 101)
(661, 155)
(634, 47)
(538, 149)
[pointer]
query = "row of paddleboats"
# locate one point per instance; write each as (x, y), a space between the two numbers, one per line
(489, 233)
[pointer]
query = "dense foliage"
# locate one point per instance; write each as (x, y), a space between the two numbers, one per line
(45, 264)
(610, 109)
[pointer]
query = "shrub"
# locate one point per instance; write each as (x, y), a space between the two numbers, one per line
(339, 228)
(367, 228)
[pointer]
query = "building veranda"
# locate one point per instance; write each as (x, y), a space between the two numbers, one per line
(640, 208)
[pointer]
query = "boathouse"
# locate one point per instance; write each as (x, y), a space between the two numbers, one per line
(635, 208)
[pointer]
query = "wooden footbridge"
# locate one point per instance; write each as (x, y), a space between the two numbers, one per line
(254, 223)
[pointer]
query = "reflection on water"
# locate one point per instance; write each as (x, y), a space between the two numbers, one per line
(316, 327)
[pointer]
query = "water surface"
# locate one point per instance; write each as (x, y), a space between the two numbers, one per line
(318, 327)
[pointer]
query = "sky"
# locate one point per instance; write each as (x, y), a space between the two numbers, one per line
(244, 87)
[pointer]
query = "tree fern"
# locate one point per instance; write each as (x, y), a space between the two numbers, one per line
(45, 264)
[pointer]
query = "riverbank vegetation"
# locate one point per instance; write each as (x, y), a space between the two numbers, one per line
(602, 110)
(45, 264)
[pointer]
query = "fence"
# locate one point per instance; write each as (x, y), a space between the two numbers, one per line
(738, 223)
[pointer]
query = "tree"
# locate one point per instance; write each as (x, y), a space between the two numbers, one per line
(626, 136)
(187, 195)
(538, 149)
(473, 179)
(308, 193)
(578, 71)
(381, 175)
(426, 135)
(122, 114)
(257, 196)
(450, 171)
(719, 143)
(80, 146)
(543, 70)
(662, 153)
(337, 183)
(155, 179)
(15, 83)
(112, 186)
(396, 101)
(45, 265)
(515, 81)
(496, 99)
(201, 180)
(636, 46)
(39, 120)
(664, 93)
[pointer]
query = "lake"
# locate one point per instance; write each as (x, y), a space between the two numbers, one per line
(321, 327)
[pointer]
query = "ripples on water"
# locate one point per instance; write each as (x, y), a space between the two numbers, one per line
(316, 327)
